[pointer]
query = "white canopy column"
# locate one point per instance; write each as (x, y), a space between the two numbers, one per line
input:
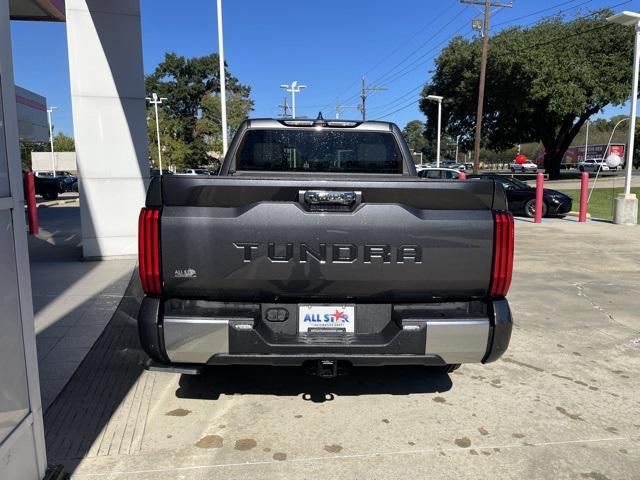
(109, 117)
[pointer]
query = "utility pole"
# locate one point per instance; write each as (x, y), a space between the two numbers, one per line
(53, 155)
(293, 89)
(364, 94)
(285, 108)
(483, 71)
(155, 101)
(342, 106)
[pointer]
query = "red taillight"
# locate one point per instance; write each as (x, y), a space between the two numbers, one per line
(149, 250)
(502, 254)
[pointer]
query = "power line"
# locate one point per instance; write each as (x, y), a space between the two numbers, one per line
(559, 39)
(342, 106)
(417, 49)
(545, 10)
(415, 34)
(394, 75)
(414, 66)
(412, 103)
(410, 68)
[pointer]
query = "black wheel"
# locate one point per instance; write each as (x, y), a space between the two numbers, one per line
(443, 369)
(530, 208)
(50, 195)
(513, 170)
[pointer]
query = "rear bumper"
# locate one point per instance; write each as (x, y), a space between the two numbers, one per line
(215, 333)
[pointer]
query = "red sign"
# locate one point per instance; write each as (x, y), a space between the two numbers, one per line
(575, 154)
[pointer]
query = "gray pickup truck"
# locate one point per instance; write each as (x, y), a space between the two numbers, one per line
(318, 244)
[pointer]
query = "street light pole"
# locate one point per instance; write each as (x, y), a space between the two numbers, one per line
(155, 101)
(53, 155)
(293, 89)
(634, 109)
(438, 99)
(626, 205)
(223, 82)
(586, 142)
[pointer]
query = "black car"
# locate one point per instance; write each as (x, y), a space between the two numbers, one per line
(522, 197)
(49, 187)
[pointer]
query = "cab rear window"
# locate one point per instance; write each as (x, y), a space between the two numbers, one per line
(311, 150)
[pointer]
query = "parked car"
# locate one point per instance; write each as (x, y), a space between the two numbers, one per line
(593, 165)
(154, 172)
(521, 197)
(67, 179)
(49, 187)
(526, 167)
(319, 245)
(194, 171)
(439, 173)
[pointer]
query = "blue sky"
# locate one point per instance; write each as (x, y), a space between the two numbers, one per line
(326, 45)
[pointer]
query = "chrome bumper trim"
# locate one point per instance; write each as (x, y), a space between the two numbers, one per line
(194, 340)
(458, 341)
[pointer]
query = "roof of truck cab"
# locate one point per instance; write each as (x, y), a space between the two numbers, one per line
(359, 124)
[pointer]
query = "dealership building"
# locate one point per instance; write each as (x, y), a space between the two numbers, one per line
(109, 115)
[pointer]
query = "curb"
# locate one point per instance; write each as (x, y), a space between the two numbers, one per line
(55, 203)
(577, 214)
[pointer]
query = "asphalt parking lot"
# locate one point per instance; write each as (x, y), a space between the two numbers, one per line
(564, 402)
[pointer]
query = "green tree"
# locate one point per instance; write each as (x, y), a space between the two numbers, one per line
(63, 143)
(190, 125)
(210, 124)
(543, 83)
(413, 134)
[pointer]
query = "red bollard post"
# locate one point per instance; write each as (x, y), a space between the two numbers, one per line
(462, 176)
(539, 203)
(584, 195)
(30, 200)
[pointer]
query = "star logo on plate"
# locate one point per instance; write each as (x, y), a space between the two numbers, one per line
(340, 316)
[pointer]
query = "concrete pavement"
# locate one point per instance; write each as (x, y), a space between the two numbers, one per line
(73, 300)
(563, 403)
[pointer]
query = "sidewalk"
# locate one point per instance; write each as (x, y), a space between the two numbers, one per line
(73, 300)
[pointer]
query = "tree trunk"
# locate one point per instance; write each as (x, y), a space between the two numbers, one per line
(552, 161)
(556, 147)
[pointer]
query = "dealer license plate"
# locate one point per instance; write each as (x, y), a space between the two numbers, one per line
(330, 318)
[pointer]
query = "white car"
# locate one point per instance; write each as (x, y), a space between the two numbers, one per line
(194, 171)
(439, 173)
(593, 165)
(526, 167)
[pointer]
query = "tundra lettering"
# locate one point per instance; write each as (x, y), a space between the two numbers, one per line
(340, 253)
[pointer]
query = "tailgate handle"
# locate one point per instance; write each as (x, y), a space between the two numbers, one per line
(330, 198)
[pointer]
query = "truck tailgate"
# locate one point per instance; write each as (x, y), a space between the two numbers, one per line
(257, 239)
